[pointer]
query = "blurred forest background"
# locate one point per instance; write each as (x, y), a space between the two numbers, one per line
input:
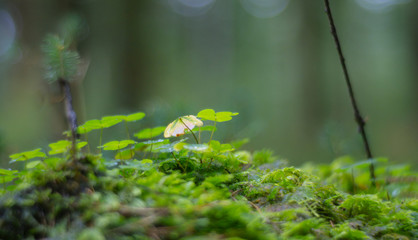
(273, 61)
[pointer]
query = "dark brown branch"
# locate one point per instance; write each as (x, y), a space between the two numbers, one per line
(359, 119)
(69, 112)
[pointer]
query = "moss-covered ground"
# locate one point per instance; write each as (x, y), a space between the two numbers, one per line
(161, 189)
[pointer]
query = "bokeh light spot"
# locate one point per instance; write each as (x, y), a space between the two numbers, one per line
(380, 5)
(7, 32)
(264, 8)
(191, 8)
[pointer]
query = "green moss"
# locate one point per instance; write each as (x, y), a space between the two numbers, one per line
(198, 191)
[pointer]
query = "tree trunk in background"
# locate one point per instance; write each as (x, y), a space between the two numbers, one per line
(311, 87)
(414, 73)
(133, 65)
(118, 47)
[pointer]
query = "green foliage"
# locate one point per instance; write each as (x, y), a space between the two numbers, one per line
(209, 114)
(180, 125)
(94, 124)
(24, 156)
(63, 146)
(221, 148)
(165, 189)
(205, 128)
(133, 117)
(149, 132)
(117, 145)
(60, 61)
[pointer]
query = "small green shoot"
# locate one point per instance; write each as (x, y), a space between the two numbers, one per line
(148, 133)
(60, 61)
(94, 124)
(181, 124)
(130, 118)
(211, 115)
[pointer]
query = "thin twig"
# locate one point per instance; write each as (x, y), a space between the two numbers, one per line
(359, 119)
(70, 113)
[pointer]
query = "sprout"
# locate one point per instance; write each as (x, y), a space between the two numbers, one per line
(178, 126)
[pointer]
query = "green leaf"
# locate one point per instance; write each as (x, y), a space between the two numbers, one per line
(7, 178)
(105, 122)
(179, 146)
(180, 125)
(143, 165)
(167, 148)
(53, 162)
(135, 117)
(207, 114)
(7, 171)
(149, 132)
(146, 161)
(217, 146)
(59, 147)
(116, 117)
(32, 164)
(161, 140)
(197, 147)
(125, 154)
(150, 145)
(63, 146)
(224, 116)
(110, 121)
(81, 144)
(23, 156)
(89, 126)
(207, 128)
(116, 145)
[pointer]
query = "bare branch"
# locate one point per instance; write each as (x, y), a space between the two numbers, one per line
(359, 119)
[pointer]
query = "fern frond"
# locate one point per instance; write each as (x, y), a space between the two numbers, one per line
(60, 61)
